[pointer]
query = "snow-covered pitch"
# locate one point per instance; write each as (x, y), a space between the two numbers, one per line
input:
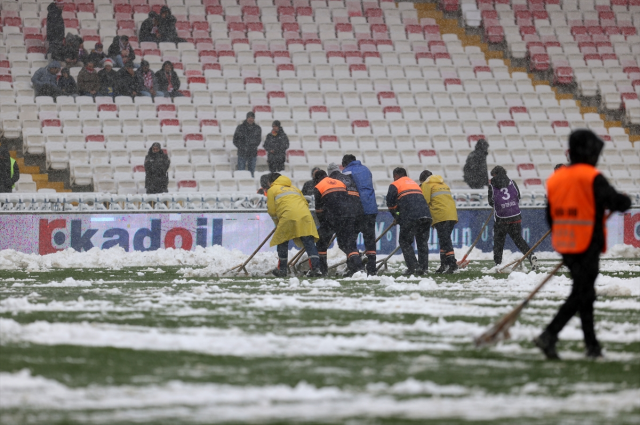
(111, 337)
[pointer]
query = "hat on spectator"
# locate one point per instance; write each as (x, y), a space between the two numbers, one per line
(99, 45)
(251, 115)
(108, 62)
(332, 168)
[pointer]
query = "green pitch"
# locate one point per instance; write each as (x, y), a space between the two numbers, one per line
(151, 345)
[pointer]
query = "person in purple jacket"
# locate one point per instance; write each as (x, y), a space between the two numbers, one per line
(504, 197)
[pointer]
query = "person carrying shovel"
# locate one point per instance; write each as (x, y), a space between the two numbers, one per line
(290, 213)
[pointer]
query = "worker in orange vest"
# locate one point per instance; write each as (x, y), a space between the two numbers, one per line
(577, 198)
(408, 206)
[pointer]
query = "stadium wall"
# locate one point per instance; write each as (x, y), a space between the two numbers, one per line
(45, 233)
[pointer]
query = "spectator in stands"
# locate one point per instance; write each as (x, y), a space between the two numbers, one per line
(108, 79)
(74, 52)
(127, 81)
(121, 51)
(67, 84)
(475, 169)
(167, 26)
(309, 186)
(88, 80)
(276, 145)
(149, 29)
(55, 29)
(98, 56)
(168, 81)
(504, 197)
(156, 165)
(9, 171)
(147, 81)
(247, 139)
(45, 80)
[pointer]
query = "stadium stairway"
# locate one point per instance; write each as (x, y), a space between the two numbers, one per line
(450, 23)
(40, 180)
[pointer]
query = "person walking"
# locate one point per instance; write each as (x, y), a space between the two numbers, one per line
(147, 81)
(246, 139)
(55, 30)
(367, 226)
(276, 145)
(108, 79)
(289, 211)
(168, 80)
(445, 216)
(336, 214)
(504, 197)
(121, 52)
(45, 80)
(475, 168)
(156, 165)
(88, 81)
(127, 81)
(67, 84)
(408, 206)
(9, 171)
(577, 197)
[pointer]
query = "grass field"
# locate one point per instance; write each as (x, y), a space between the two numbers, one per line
(168, 345)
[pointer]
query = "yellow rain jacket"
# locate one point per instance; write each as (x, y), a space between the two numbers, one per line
(290, 212)
(438, 196)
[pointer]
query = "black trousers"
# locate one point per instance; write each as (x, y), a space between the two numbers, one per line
(584, 270)
(444, 229)
(418, 230)
(367, 226)
(500, 232)
(276, 163)
(347, 236)
(49, 90)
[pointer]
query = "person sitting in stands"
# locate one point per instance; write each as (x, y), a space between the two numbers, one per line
(67, 84)
(147, 81)
(97, 55)
(127, 82)
(121, 51)
(108, 79)
(88, 81)
(45, 80)
(168, 81)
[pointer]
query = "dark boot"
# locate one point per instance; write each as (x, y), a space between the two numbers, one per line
(324, 266)
(409, 272)
(313, 273)
(314, 267)
(354, 265)
(443, 267)
(452, 264)
(594, 352)
(371, 265)
(282, 270)
(279, 272)
(547, 343)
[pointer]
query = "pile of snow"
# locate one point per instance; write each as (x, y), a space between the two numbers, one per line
(622, 251)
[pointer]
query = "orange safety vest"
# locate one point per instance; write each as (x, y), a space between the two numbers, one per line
(406, 186)
(329, 185)
(573, 208)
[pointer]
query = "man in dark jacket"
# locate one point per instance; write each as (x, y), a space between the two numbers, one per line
(475, 169)
(98, 56)
(55, 29)
(9, 171)
(88, 81)
(45, 80)
(108, 79)
(167, 26)
(67, 84)
(367, 226)
(408, 206)
(127, 82)
(309, 186)
(337, 214)
(121, 51)
(504, 197)
(156, 165)
(247, 139)
(578, 196)
(168, 80)
(149, 29)
(276, 145)
(147, 81)
(74, 52)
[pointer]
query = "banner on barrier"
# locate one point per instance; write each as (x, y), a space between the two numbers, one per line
(48, 233)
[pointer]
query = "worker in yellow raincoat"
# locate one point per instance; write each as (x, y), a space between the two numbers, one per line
(445, 216)
(290, 212)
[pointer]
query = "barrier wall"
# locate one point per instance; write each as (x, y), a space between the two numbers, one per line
(48, 233)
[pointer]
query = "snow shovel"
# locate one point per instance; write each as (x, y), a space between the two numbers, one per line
(384, 232)
(464, 262)
(516, 263)
(244, 265)
(500, 331)
(384, 261)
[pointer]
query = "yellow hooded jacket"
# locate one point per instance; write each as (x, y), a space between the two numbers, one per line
(438, 196)
(290, 212)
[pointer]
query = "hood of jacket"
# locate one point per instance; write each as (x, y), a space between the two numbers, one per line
(151, 152)
(585, 147)
(282, 181)
(434, 178)
(53, 9)
(482, 146)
